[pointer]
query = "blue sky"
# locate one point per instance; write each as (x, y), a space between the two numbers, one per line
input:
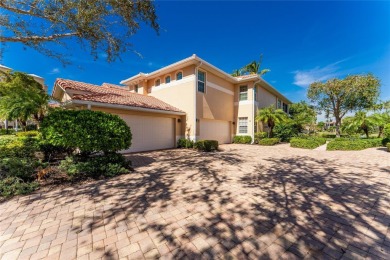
(301, 42)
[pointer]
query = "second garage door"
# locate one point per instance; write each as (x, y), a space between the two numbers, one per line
(215, 130)
(150, 133)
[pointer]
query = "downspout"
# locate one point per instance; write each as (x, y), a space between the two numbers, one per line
(196, 92)
(253, 111)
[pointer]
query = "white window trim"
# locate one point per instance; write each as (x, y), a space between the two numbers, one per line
(155, 81)
(170, 78)
(204, 82)
(182, 74)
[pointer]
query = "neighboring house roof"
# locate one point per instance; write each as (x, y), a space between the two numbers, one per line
(4, 67)
(112, 94)
(195, 60)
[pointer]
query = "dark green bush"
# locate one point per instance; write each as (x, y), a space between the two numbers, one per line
(7, 131)
(206, 145)
(108, 165)
(22, 168)
(353, 144)
(269, 141)
(242, 139)
(307, 143)
(385, 141)
(27, 134)
(31, 127)
(12, 186)
(285, 131)
(259, 136)
(89, 131)
(51, 151)
(185, 143)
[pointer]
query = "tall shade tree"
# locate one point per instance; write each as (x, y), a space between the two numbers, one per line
(360, 122)
(97, 25)
(340, 96)
(303, 115)
(255, 67)
(271, 117)
(22, 98)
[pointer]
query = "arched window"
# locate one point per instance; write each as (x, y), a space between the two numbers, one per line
(179, 75)
(157, 82)
(167, 79)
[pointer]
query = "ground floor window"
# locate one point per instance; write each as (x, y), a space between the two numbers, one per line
(242, 125)
(285, 107)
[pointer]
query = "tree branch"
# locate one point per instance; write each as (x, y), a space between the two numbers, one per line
(37, 39)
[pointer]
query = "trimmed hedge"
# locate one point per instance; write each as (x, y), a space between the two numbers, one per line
(89, 131)
(307, 143)
(185, 143)
(242, 139)
(259, 136)
(7, 132)
(27, 134)
(206, 145)
(343, 144)
(269, 141)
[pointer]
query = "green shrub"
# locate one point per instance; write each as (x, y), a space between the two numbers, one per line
(388, 147)
(259, 136)
(242, 139)
(385, 141)
(285, 131)
(31, 127)
(353, 144)
(7, 132)
(18, 147)
(307, 143)
(89, 131)
(206, 145)
(27, 134)
(22, 168)
(386, 131)
(269, 141)
(51, 151)
(108, 165)
(185, 143)
(12, 186)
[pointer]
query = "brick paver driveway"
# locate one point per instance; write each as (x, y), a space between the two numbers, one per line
(244, 202)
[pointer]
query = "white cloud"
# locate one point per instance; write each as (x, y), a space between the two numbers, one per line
(304, 78)
(54, 71)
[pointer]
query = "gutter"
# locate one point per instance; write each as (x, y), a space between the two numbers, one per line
(141, 109)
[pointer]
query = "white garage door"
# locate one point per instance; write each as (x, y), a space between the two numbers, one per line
(150, 133)
(215, 130)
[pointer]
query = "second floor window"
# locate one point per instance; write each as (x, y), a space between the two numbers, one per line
(157, 83)
(242, 125)
(179, 76)
(243, 93)
(201, 81)
(167, 79)
(136, 88)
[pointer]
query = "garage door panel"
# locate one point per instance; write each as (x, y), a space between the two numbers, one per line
(215, 130)
(150, 133)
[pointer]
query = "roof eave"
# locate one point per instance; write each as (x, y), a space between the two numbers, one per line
(132, 108)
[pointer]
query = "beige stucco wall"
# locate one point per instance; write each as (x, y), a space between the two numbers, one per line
(179, 126)
(265, 98)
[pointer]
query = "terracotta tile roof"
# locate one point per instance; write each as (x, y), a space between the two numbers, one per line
(113, 94)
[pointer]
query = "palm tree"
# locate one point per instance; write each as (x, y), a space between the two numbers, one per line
(361, 121)
(270, 116)
(381, 119)
(236, 72)
(255, 67)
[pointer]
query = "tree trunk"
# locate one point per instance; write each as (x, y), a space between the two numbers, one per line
(338, 126)
(380, 131)
(366, 132)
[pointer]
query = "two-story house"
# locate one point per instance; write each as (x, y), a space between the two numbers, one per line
(190, 98)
